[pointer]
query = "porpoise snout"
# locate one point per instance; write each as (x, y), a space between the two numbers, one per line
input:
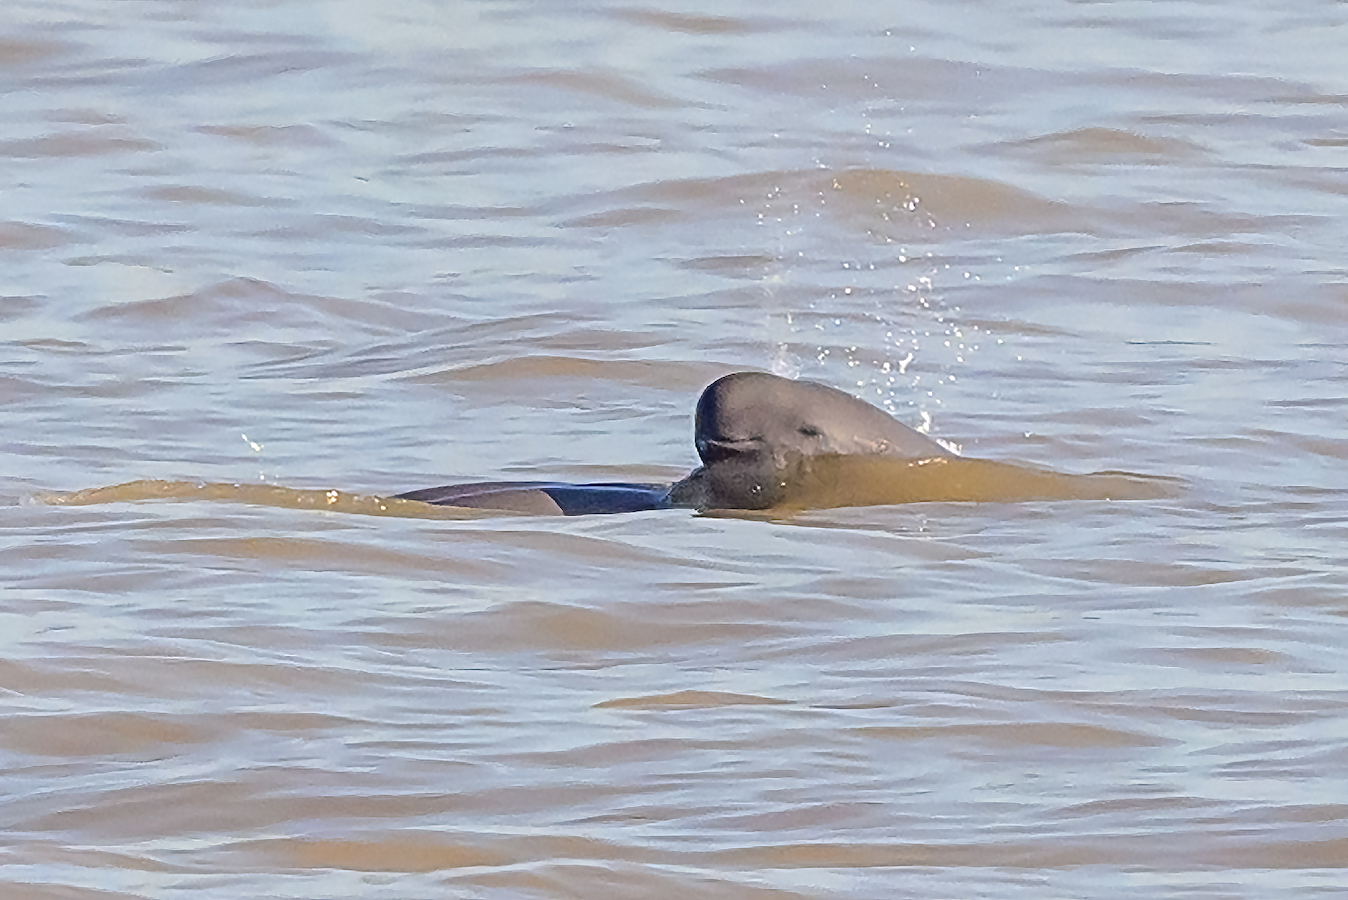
(712, 449)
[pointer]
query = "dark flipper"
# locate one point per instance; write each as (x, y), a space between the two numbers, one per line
(546, 497)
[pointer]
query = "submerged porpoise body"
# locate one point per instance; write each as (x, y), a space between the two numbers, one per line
(754, 432)
(766, 443)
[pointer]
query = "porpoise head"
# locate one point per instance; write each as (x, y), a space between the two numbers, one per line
(752, 429)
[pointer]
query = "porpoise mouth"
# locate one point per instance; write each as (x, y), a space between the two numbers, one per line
(717, 449)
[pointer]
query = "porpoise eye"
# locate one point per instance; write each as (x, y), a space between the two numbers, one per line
(809, 431)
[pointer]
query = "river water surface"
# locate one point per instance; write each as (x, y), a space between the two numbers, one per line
(272, 262)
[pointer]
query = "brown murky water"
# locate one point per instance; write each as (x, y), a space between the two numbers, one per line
(269, 263)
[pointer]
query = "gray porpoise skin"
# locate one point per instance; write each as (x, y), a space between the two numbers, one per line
(750, 429)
